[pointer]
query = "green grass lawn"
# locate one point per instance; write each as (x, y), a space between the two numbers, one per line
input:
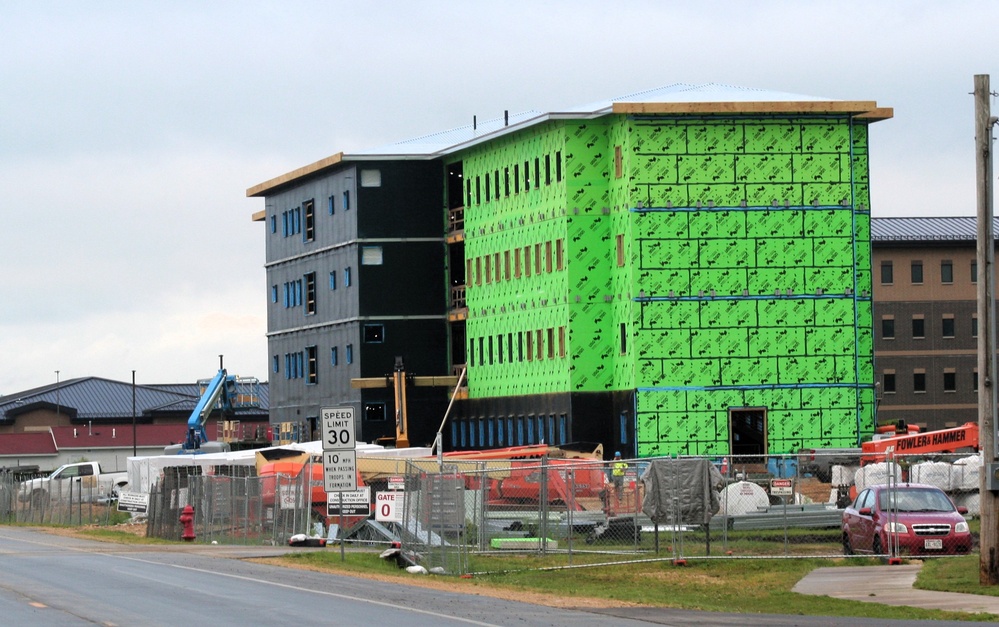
(750, 586)
(954, 574)
(718, 585)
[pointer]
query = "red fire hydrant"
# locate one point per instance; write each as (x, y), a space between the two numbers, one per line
(187, 519)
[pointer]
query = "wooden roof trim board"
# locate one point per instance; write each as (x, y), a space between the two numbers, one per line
(312, 168)
(877, 114)
(259, 216)
(861, 108)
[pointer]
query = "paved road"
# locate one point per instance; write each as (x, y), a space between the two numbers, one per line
(55, 580)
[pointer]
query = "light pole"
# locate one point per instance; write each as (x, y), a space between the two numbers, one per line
(57, 394)
(134, 449)
(988, 565)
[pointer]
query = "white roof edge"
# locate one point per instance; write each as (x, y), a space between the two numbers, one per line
(447, 142)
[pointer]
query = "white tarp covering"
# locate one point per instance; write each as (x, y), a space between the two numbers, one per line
(965, 473)
(843, 475)
(971, 500)
(743, 497)
(936, 474)
(874, 474)
(143, 472)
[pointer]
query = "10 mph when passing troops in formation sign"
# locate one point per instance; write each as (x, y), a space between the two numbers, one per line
(339, 457)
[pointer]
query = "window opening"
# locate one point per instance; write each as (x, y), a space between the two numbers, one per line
(947, 326)
(748, 433)
(946, 272)
(310, 221)
(950, 381)
(889, 383)
(887, 273)
(312, 365)
(371, 255)
(374, 333)
(371, 178)
(310, 293)
(375, 411)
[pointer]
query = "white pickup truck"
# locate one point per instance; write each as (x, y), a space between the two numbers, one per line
(82, 482)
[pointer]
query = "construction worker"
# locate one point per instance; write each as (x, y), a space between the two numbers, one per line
(618, 470)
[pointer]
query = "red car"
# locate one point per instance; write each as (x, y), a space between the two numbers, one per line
(917, 519)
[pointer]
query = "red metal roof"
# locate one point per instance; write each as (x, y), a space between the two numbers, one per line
(119, 436)
(40, 443)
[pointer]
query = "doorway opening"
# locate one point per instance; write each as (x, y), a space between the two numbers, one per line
(748, 435)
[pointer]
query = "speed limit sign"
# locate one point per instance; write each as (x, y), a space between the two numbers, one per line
(338, 428)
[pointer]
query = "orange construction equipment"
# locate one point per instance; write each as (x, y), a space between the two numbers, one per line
(942, 441)
(521, 478)
(898, 428)
(532, 451)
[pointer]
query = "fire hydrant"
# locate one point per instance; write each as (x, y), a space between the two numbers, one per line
(187, 519)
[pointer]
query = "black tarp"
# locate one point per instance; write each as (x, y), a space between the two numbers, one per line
(681, 491)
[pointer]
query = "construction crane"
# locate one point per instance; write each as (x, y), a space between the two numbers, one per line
(223, 390)
(398, 381)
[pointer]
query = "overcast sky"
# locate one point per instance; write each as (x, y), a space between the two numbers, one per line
(130, 131)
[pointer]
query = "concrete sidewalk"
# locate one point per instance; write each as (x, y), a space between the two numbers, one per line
(891, 585)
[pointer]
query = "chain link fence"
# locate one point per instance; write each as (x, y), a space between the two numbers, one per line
(235, 508)
(58, 503)
(572, 512)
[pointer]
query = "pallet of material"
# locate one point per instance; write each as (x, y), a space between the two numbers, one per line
(522, 544)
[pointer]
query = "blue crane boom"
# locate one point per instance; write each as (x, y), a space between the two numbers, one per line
(222, 388)
(226, 392)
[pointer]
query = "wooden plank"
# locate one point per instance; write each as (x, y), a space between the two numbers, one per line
(443, 381)
(312, 168)
(879, 113)
(372, 382)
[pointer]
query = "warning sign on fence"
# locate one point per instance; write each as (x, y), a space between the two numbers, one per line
(781, 487)
(389, 506)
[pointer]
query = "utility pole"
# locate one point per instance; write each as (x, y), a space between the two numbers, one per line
(988, 573)
(134, 443)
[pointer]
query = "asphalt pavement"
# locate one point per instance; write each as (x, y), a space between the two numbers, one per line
(890, 585)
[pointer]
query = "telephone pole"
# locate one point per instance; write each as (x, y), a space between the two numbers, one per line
(989, 537)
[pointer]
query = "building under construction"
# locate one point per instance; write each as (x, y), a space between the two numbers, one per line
(685, 270)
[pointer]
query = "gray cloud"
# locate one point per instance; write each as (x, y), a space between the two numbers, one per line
(130, 131)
